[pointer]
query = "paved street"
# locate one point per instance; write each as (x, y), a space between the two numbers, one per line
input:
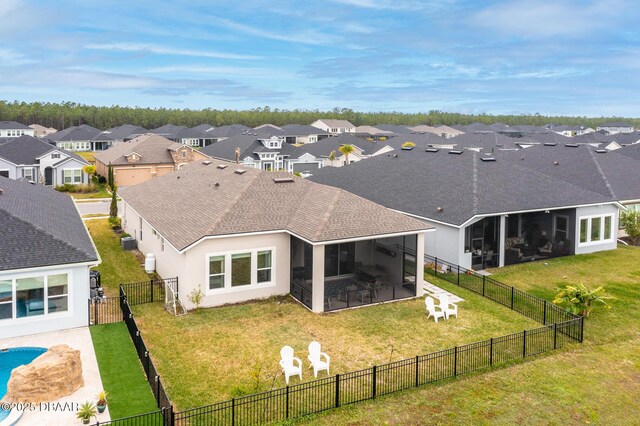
(96, 207)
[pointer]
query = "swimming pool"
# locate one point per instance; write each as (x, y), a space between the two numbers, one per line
(10, 359)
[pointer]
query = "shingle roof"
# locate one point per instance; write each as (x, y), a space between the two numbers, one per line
(394, 128)
(211, 201)
(120, 133)
(228, 131)
(615, 124)
(13, 125)
(25, 150)
(302, 130)
(331, 122)
(323, 147)
(152, 148)
(372, 130)
(631, 151)
(169, 131)
(419, 183)
(83, 132)
(40, 227)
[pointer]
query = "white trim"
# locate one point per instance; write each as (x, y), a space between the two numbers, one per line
(602, 240)
(228, 270)
(63, 265)
(554, 226)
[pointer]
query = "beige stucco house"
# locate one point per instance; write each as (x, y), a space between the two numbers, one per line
(146, 157)
(238, 234)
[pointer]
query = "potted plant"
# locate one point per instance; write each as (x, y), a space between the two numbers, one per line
(102, 401)
(86, 412)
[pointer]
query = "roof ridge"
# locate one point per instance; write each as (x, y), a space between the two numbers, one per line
(604, 177)
(327, 213)
(476, 201)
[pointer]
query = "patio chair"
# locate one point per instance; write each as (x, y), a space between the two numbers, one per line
(433, 310)
(447, 307)
(315, 358)
(287, 363)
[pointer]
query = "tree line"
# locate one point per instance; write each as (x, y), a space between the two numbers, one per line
(67, 114)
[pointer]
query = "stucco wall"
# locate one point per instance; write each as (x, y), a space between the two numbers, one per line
(595, 211)
(76, 316)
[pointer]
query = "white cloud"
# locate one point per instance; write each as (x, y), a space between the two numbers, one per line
(409, 5)
(304, 37)
(549, 18)
(160, 50)
(7, 7)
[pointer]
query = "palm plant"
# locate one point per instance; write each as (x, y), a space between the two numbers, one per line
(579, 299)
(86, 412)
(346, 150)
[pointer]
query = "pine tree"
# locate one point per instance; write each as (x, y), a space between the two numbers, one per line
(110, 176)
(113, 209)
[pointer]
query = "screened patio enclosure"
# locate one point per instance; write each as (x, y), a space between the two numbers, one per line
(349, 274)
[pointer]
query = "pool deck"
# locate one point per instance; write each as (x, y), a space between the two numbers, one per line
(77, 338)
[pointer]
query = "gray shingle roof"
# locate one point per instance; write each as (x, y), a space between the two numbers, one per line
(211, 201)
(152, 148)
(615, 124)
(120, 133)
(228, 131)
(83, 132)
(332, 122)
(40, 227)
(301, 130)
(13, 125)
(419, 182)
(323, 147)
(25, 150)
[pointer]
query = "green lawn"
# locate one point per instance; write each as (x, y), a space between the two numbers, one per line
(596, 382)
(121, 372)
(100, 191)
(87, 155)
(220, 353)
(118, 266)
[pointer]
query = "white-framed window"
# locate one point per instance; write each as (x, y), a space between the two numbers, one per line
(184, 153)
(72, 176)
(34, 296)
(595, 229)
(560, 227)
(240, 270)
(55, 155)
(28, 173)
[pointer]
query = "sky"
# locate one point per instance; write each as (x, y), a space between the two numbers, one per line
(553, 57)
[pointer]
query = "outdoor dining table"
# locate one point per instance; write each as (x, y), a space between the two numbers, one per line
(371, 271)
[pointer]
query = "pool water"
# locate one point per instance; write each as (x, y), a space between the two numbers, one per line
(10, 359)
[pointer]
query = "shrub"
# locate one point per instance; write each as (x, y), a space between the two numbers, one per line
(73, 188)
(102, 180)
(630, 222)
(579, 299)
(196, 297)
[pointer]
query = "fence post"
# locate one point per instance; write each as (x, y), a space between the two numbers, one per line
(512, 298)
(581, 328)
(89, 312)
(337, 390)
(373, 393)
(233, 411)
(417, 374)
(157, 379)
(287, 402)
(173, 415)
(484, 278)
(524, 344)
(152, 290)
(544, 315)
(177, 292)
(491, 351)
(96, 315)
(555, 335)
(435, 271)
(458, 274)
(455, 361)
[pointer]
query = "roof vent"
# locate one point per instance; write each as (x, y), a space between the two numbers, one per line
(283, 180)
(571, 145)
(440, 210)
(601, 151)
(550, 144)
(455, 151)
(217, 185)
(1, 191)
(240, 172)
(206, 162)
(431, 150)
(488, 158)
(222, 166)
(555, 163)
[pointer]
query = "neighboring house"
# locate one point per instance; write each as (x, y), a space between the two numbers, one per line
(329, 149)
(143, 158)
(487, 210)
(372, 132)
(40, 131)
(238, 234)
(616, 127)
(37, 161)
(448, 132)
(298, 134)
(265, 153)
(393, 128)
(106, 139)
(12, 129)
(224, 132)
(44, 262)
(76, 138)
(334, 127)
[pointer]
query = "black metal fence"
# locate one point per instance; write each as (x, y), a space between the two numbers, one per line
(277, 405)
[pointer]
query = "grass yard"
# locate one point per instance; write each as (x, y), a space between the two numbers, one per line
(87, 155)
(225, 352)
(596, 382)
(118, 266)
(100, 191)
(121, 372)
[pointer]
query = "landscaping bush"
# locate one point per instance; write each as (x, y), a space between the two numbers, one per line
(102, 180)
(76, 189)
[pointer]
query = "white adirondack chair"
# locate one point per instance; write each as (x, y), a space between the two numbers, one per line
(447, 307)
(288, 363)
(433, 310)
(315, 358)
